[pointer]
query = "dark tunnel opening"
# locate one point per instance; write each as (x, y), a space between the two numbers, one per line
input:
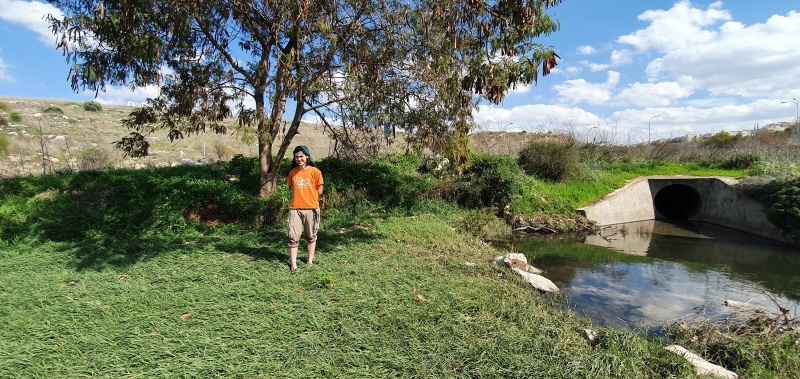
(677, 202)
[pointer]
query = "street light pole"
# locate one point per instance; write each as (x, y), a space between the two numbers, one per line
(796, 102)
(648, 128)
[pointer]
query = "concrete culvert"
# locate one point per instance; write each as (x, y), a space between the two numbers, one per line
(677, 202)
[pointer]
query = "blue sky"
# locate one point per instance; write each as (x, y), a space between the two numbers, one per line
(628, 66)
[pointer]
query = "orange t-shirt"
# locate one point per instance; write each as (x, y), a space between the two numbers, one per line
(304, 184)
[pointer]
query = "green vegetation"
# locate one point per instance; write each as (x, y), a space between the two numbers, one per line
(118, 272)
(15, 117)
(53, 109)
(92, 106)
(721, 140)
(93, 158)
(4, 143)
(551, 159)
(782, 200)
(489, 181)
(5, 107)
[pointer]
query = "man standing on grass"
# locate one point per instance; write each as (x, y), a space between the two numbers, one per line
(306, 182)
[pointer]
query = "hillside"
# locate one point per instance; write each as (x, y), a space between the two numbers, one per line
(52, 135)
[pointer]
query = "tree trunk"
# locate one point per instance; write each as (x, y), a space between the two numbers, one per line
(269, 183)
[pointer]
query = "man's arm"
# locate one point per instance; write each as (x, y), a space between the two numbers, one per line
(319, 189)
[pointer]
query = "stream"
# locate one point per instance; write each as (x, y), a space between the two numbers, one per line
(651, 274)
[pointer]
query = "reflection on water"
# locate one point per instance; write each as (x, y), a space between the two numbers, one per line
(696, 267)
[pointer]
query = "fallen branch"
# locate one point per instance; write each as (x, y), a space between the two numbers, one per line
(534, 229)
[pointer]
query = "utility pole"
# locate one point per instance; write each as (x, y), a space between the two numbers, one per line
(796, 131)
(648, 128)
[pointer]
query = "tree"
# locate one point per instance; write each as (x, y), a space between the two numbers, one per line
(423, 64)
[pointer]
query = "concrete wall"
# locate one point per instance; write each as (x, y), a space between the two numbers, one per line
(708, 199)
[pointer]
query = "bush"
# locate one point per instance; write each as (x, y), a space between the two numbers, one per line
(53, 110)
(380, 183)
(4, 145)
(5, 107)
(92, 106)
(3, 121)
(246, 171)
(15, 117)
(485, 225)
(740, 162)
(551, 160)
(721, 140)
(222, 151)
(488, 181)
(93, 158)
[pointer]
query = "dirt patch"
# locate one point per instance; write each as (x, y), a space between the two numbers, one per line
(209, 215)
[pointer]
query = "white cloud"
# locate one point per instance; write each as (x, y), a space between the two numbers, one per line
(579, 90)
(621, 57)
(651, 94)
(5, 75)
(532, 118)
(678, 121)
(676, 28)
(30, 14)
(594, 67)
(121, 95)
(521, 89)
(572, 70)
(586, 50)
(750, 61)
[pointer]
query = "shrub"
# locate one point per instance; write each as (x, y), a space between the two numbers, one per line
(488, 181)
(5, 107)
(222, 151)
(382, 184)
(551, 160)
(3, 121)
(772, 137)
(246, 171)
(273, 210)
(53, 110)
(4, 145)
(93, 158)
(15, 117)
(479, 223)
(740, 162)
(721, 140)
(92, 106)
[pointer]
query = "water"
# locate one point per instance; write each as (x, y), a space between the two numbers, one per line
(669, 272)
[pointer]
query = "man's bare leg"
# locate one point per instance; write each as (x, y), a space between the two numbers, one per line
(311, 248)
(293, 258)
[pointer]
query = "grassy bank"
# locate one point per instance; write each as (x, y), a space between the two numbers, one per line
(393, 297)
(182, 272)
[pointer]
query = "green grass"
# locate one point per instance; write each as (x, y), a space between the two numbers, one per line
(391, 298)
(101, 274)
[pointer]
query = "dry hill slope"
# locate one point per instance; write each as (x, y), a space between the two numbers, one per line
(48, 135)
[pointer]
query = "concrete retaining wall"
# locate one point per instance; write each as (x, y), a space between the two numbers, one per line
(703, 199)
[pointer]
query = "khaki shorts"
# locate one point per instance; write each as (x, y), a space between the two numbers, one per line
(302, 221)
